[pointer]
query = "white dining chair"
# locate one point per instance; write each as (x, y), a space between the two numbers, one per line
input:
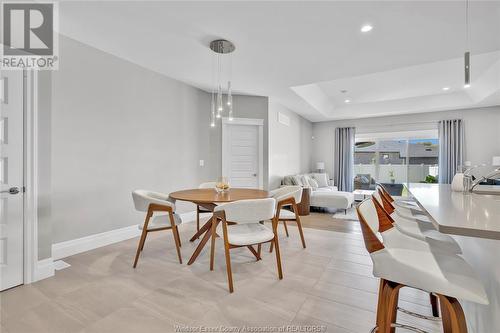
(448, 276)
(158, 204)
(200, 209)
(288, 197)
(241, 227)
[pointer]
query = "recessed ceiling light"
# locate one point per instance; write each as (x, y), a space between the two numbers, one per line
(467, 86)
(347, 101)
(446, 88)
(366, 28)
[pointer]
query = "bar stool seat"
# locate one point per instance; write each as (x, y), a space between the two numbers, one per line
(423, 231)
(428, 234)
(448, 275)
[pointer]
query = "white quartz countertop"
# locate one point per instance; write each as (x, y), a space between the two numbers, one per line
(470, 214)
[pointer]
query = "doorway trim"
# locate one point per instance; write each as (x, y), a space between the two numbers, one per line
(33, 269)
(225, 143)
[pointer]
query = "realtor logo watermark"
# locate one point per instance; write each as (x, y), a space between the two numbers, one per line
(30, 39)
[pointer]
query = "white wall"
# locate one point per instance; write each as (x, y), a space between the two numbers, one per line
(112, 127)
(482, 134)
(289, 146)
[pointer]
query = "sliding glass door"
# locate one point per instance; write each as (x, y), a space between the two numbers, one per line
(394, 161)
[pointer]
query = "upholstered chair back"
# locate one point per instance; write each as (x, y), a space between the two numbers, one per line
(288, 192)
(143, 198)
(369, 213)
(207, 185)
(248, 211)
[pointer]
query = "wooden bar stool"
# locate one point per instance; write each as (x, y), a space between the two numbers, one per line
(419, 229)
(154, 202)
(447, 276)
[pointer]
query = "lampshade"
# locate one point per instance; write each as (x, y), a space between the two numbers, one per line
(495, 161)
(320, 165)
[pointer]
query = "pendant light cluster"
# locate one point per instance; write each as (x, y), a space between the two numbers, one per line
(218, 106)
(467, 46)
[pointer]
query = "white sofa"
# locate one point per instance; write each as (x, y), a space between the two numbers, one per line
(323, 193)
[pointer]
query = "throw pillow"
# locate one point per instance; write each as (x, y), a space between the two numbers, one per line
(322, 179)
(313, 183)
(297, 180)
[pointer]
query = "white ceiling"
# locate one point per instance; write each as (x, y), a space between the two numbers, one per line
(303, 53)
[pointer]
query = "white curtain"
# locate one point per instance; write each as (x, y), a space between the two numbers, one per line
(344, 158)
(451, 148)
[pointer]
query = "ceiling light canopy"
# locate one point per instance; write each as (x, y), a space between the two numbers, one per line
(347, 101)
(366, 28)
(446, 88)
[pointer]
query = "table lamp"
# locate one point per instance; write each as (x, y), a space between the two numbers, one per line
(320, 166)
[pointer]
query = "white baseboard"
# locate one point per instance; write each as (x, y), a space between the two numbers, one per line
(79, 245)
(44, 269)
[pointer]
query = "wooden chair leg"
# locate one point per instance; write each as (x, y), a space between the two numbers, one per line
(177, 241)
(278, 257)
(299, 226)
(271, 247)
(259, 250)
(452, 315)
(228, 266)
(140, 246)
(434, 305)
(212, 247)
(255, 253)
(144, 242)
(286, 229)
(392, 296)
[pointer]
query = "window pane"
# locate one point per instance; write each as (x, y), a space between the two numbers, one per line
(424, 155)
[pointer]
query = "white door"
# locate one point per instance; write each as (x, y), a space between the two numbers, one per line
(11, 178)
(241, 158)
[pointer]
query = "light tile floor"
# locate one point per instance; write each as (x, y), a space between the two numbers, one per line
(329, 284)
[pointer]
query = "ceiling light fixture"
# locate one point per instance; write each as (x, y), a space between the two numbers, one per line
(366, 28)
(347, 101)
(467, 47)
(446, 88)
(221, 47)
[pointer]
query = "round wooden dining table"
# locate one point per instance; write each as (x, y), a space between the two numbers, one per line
(208, 198)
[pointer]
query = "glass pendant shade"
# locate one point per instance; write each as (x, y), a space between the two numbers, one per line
(219, 104)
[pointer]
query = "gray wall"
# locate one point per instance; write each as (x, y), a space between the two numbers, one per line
(289, 146)
(482, 131)
(113, 127)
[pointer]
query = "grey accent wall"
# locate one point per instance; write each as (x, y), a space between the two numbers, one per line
(112, 127)
(289, 146)
(482, 137)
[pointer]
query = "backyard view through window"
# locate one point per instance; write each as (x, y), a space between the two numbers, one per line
(394, 162)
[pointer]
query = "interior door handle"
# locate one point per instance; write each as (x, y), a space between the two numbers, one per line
(12, 190)
(255, 175)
